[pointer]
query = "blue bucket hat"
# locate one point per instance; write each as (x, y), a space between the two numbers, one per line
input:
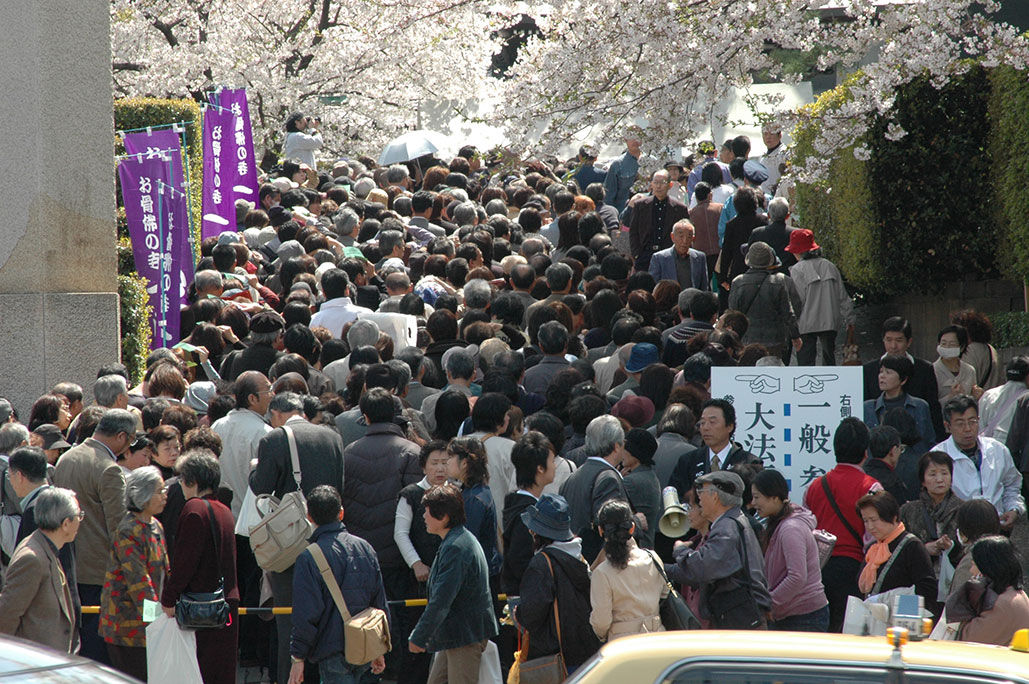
(641, 356)
(549, 518)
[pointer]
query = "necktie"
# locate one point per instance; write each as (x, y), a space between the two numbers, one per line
(716, 463)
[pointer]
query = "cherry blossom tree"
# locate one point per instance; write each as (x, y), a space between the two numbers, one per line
(379, 59)
(600, 67)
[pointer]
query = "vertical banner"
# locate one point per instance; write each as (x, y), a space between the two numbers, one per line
(241, 143)
(219, 210)
(153, 223)
(788, 416)
(168, 142)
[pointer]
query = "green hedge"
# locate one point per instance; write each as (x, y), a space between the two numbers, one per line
(1009, 124)
(840, 213)
(135, 313)
(943, 203)
(1010, 329)
(135, 309)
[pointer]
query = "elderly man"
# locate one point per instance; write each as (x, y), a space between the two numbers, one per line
(650, 226)
(91, 470)
(241, 431)
(596, 482)
(729, 566)
(769, 300)
(777, 234)
(36, 603)
(553, 341)
(681, 262)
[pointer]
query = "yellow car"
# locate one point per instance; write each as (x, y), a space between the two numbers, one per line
(720, 657)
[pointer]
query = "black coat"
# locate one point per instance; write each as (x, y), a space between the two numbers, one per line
(641, 225)
(518, 545)
(922, 385)
(889, 478)
(258, 357)
(777, 236)
(320, 451)
(571, 584)
(737, 234)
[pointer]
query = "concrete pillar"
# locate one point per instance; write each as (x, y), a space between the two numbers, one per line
(58, 286)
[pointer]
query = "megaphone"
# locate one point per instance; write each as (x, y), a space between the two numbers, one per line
(674, 522)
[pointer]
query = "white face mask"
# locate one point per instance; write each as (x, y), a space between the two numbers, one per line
(948, 352)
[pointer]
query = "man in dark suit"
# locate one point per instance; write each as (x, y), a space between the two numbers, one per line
(596, 482)
(776, 235)
(681, 262)
(896, 341)
(266, 329)
(27, 470)
(320, 457)
(717, 426)
(650, 227)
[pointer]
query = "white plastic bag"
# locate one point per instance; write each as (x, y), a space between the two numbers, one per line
(171, 653)
(489, 666)
(248, 514)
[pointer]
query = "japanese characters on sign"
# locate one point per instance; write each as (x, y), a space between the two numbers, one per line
(219, 210)
(788, 416)
(156, 218)
(243, 178)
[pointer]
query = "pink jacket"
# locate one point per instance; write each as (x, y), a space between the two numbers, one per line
(791, 566)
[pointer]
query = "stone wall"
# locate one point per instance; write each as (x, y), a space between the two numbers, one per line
(58, 288)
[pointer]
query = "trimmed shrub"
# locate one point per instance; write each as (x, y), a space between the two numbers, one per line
(1009, 129)
(135, 313)
(1010, 329)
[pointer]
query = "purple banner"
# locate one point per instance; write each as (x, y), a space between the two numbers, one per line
(219, 170)
(244, 175)
(157, 222)
(169, 141)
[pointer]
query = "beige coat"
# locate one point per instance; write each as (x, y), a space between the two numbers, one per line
(36, 601)
(626, 601)
(99, 483)
(998, 625)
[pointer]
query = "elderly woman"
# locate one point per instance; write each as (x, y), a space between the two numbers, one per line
(136, 571)
(791, 557)
(36, 603)
(203, 561)
(641, 483)
(627, 587)
(933, 516)
(992, 607)
(459, 616)
(897, 558)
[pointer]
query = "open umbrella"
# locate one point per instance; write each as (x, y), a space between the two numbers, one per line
(412, 145)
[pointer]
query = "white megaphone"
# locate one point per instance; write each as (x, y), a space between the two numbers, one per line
(674, 522)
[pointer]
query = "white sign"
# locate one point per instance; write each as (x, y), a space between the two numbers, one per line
(788, 416)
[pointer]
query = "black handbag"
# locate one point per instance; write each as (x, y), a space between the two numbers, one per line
(736, 607)
(205, 610)
(675, 614)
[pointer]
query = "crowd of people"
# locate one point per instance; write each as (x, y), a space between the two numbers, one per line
(480, 387)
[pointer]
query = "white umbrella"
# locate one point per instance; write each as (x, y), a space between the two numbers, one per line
(412, 145)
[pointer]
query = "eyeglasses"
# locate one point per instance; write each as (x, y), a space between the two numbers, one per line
(962, 424)
(80, 516)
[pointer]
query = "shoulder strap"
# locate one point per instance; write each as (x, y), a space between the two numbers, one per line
(330, 580)
(557, 617)
(746, 310)
(217, 541)
(839, 513)
(746, 556)
(293, 455)
(877, 587)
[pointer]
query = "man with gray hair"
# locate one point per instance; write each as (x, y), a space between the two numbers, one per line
(398, 175)
(596, 482)
(111, 391)
(477, 294)
(36, 603)
(346, 223)
(91, 470)
(717, 567)
(208, 283)
(466, 214)
(362, 333)
(776, 234)
(459, 365)
(398, 284)
(12, 437)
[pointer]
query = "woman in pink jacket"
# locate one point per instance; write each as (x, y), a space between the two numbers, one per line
(991, 607)
(791, 558)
